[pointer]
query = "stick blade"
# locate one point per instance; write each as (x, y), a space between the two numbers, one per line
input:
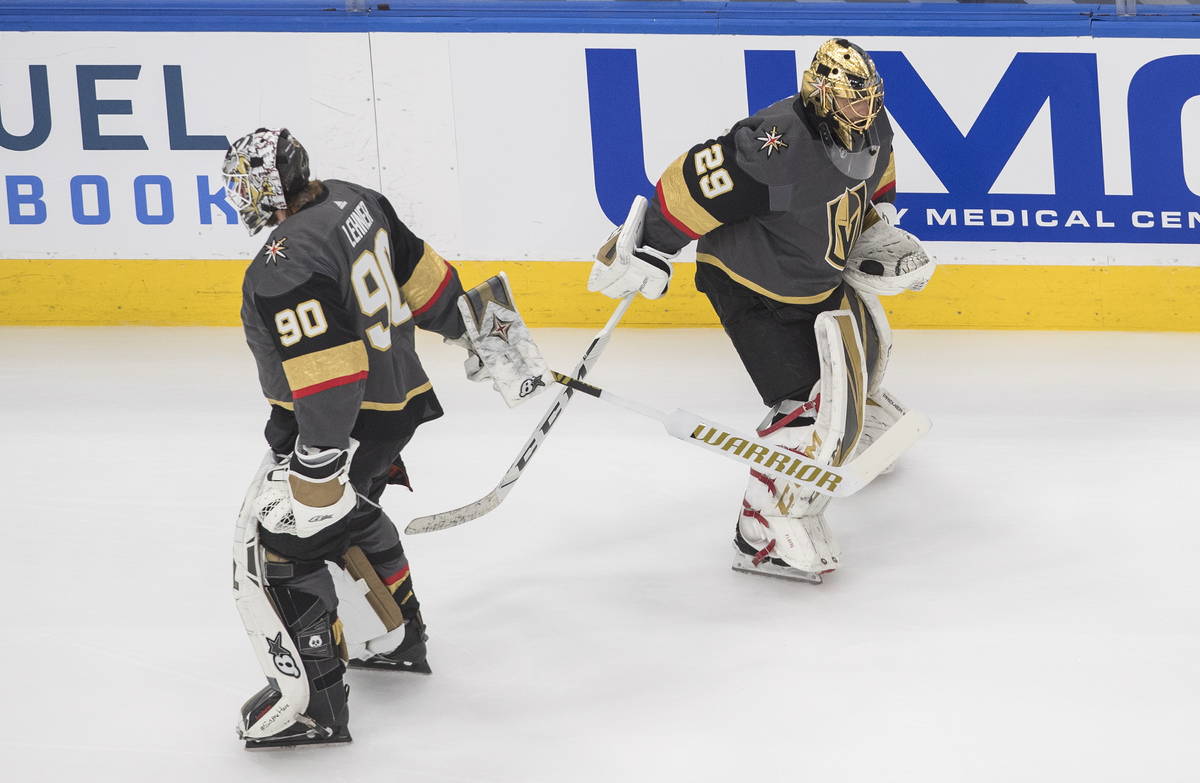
(907, 430)
(455, 517)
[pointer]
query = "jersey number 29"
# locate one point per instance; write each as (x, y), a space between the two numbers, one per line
(714, 179)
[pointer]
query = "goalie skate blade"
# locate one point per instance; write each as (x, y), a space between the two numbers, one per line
(745, 564)
(418, 667)
(291, 743)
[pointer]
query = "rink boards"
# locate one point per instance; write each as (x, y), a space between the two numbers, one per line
(1053, 167)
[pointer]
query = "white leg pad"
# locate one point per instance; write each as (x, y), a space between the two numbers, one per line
(779, 519)
(883, 410)
(273, 647)
(880, 335)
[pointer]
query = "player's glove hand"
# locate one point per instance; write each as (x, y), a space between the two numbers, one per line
(503, 349)
(886, 260)
(644, 270)
(625, 265)
(473, 365)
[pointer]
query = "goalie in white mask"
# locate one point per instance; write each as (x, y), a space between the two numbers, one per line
(330, 303)
(792, 209)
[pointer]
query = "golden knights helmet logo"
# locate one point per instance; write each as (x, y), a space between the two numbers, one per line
(844, 216)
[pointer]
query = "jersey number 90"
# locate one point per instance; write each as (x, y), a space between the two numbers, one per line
(307, 320)
(375, 287)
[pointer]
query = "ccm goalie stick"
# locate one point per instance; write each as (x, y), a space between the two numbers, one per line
(835, 481)
(490, 501)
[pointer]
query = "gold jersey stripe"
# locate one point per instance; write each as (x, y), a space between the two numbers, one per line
(706, 258)
(397, 406)
(319, 367)
(679, 203)
(426, 279)
(367, 405)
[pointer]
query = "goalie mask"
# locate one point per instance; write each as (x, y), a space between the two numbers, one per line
(842, 87)
(261, 170)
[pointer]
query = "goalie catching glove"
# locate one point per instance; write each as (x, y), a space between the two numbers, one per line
(307, 493)
(624, 266)
(887, 260)
(500, 346)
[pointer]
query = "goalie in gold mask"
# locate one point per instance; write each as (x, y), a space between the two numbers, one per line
(793, 210)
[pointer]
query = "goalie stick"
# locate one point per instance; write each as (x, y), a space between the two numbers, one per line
(490, 501)
(835, 481)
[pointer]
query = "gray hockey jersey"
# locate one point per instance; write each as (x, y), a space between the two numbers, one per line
(329, 306)
(768, 205)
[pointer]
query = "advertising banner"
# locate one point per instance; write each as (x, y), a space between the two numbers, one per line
(1013, 152)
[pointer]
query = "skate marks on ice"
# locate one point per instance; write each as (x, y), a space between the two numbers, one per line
(986, 624)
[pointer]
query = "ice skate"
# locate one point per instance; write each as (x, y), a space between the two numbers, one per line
(298, 735)
(751, 560)
(408, 656)
(304, 731)
(780, 530)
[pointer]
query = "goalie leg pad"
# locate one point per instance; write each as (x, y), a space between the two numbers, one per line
(304, 596)
(875, 332)
(386, 583)
(377, 594)
(780, 519)
(275, 650)
(882, 409)
(288, 613)
(844, 377)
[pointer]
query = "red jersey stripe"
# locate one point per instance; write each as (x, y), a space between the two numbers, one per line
(674, 221)
(436, 294)
(329, 384)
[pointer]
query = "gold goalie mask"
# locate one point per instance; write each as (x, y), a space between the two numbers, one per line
(842, 86)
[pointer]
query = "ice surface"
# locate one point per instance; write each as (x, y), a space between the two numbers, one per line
(1017, 602)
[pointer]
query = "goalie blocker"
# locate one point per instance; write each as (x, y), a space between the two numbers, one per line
(501, 346)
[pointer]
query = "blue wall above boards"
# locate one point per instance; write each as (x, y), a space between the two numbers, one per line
(699, 17)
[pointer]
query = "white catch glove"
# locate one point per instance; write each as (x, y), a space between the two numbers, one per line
(501, 347)
(624, 266)
(887, 260)
(307, 493)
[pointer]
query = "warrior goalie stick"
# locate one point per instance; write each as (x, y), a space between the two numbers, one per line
(835, 481)
(490, 501)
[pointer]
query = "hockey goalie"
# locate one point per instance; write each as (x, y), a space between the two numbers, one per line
(330, 303)
(793, 212)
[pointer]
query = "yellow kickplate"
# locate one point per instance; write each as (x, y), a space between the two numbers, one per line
(553, 293)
